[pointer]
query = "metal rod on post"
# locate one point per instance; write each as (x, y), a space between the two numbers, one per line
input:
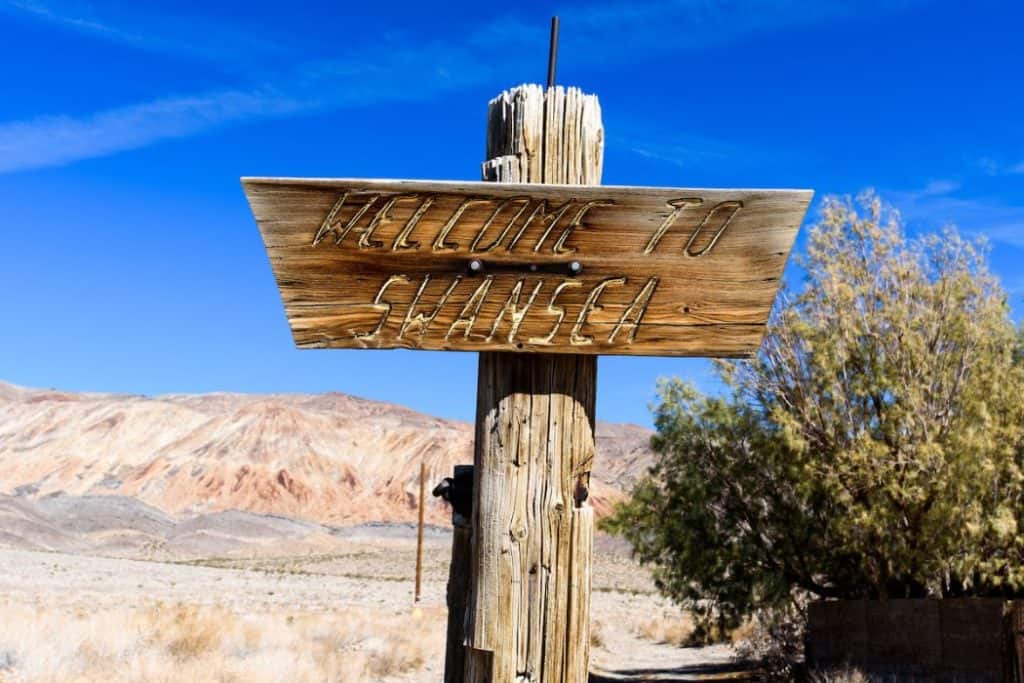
(552, 65)
(553, 52)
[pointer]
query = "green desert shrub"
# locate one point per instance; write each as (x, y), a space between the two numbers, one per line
(872, 448)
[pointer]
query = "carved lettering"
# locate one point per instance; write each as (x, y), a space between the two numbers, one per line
(366, 240)
(515, 314)
(678, 206)
(539, 208)
(402, 242)
(576, 338)
(422, 320)
(475, 245)
(329, 226)
(380, 305)
(507, 214)
(518, 306)
(471, 309)
(558, 311)
(734, 205)
(512, 267)
(551, 218)
(634, 314)
(439, 242)
(577, 221)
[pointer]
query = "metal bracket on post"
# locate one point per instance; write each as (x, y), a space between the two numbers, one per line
(457, 490)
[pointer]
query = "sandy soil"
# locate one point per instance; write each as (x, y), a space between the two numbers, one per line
(262, 614)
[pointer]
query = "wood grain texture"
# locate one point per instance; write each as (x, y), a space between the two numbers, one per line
(528, 614)
(529, 606)
(387, 264)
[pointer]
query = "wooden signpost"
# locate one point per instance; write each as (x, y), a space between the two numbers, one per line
(502, 267)
(540, 270)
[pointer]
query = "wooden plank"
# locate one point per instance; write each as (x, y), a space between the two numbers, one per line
(382, 264)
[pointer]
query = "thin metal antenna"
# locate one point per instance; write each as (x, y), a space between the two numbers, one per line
(553, 52)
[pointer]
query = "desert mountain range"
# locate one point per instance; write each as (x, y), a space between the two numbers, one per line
(327, 459)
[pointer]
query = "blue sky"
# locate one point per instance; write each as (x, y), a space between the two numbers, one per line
(129, 260)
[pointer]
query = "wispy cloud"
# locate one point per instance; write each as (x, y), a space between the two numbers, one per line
(938, 204)
(45, 13)
(992, 167)
(385, 69)
(178, 34)
(701, 152)
(937, 188)
(686, 153)
(401, 76)
(56, 140)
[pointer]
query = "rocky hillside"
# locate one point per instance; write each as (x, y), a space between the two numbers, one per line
(328, 458)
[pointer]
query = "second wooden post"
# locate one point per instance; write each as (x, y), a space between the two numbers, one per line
(528, 612)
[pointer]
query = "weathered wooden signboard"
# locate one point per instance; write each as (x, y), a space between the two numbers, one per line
(518, 267)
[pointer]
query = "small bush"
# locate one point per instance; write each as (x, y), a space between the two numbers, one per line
(191, 635)
(399, 658)
(668, 630)
(596, 633)
(775, 643)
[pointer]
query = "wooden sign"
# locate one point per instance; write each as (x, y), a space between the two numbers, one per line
(467, 266)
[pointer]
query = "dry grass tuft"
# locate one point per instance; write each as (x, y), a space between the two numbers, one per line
(187, 634)
(596, 633)
(166, 643)
(669, 629)
(397, 659)
(744, 632)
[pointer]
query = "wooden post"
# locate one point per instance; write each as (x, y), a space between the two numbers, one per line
(528, 614)
(456, 266)
(458, 580)
(419, 533)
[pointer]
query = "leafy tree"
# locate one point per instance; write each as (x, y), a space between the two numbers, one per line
(873, 447)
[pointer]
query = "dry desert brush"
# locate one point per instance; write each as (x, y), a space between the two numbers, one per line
(872, 448)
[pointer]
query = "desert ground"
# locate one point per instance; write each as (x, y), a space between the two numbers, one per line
(343, 615)
(231, 537)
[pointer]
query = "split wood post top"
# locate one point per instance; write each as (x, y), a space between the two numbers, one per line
(532, 528)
